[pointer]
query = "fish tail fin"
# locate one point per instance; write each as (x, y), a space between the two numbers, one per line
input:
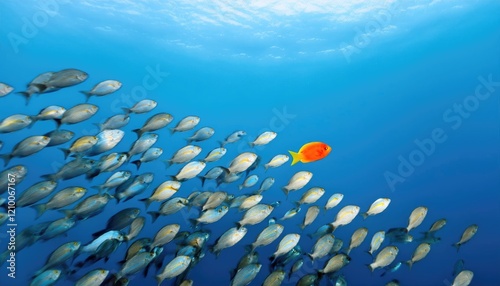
(172, 130)
(99, 125)
(147, 202)
(240, 187)
(58, 122)
(249, 248)
(369, 252)
(138, 132)
(320, 273)
(87, 95)
(154, 215)
(33, 120)
(6, 158)
(159, 279)
(409, 263)
(266, 166)
(67, 213)
(202, 180)
(286, 191)
(137, 163)
(370, 267)
(251, 144)
(26, 95)
(295, 157)
(333, 227)
(51, 177)
(66, 152)
(221, 143)
(301, 226)
(40, 209)
(456, 245)
(364, 215)
(310, 256)
(167, 163)
(194, 222)
(126, 110)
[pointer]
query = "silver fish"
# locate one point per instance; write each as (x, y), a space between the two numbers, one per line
(287, 243)
(77, 113)
(419, 254)
(150, 155)
(133, 186)
(242, 162)
(58, 137)
(58, 227)
(14, 123)
(183, 155)
(92, 278)
(229, 238)
(246, 275)
(385, 257)
(463, 278)
(357, 238)
(89, 207)
(311, 215)
(187, 123)
(106, 140)
(154, 123)
(333, 201)
(297, 182)
(215, 154)
(142, 106)
(5, 89)
(190, 171)
(14, 174)
(114, 180)
(36, 193)
(27, 147)
(250, 181)
(336, 263)
(263, 138)
(256, 214)
(416, 217)
(377, 240)
(163, 192)
(48, 277)
(266, 185)
(174, 268)
(142, 144)
(165, 235)
(235, 136)
(267, 236)
(62, 199)
(277, 161)
(103, 88)
(50, 112)
(169, 207)
(72, 169)
(66, 78)
(60, 255)
(201, 135)
(468, 233)
(114, 122)
(322, 247)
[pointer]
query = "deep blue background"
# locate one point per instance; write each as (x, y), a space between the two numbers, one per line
(370, 109)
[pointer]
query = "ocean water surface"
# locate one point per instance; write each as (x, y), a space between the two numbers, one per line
(406, 93)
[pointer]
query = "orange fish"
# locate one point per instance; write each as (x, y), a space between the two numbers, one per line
(311, 152)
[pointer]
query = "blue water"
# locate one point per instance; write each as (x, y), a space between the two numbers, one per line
(303, 73)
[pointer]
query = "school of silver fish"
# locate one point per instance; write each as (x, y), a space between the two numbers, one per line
(191, 237)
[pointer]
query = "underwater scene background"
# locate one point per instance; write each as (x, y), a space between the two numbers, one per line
(406, 93)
